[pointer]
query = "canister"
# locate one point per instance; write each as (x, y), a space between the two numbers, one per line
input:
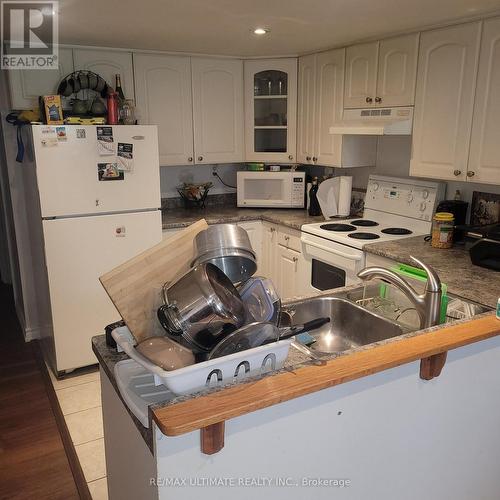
(442, 230)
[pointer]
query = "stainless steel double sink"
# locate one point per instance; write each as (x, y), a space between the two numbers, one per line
(352, 323)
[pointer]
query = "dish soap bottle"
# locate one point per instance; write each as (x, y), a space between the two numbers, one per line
(314, 208)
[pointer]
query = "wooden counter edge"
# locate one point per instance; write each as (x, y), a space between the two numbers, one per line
(203, 411)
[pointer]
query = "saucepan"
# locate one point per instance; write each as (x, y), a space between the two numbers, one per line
(228, 247)
(201, 308)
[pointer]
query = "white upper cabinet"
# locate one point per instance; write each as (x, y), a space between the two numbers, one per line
(163, 98)
(444, 101)
(329, 105)
(218, 110)
(306, 109)
(397, 71)
(27, 85)
(381, 73)
(361, 75)
(321, 88)
(108, 63)
(484, 159)
(271, 110)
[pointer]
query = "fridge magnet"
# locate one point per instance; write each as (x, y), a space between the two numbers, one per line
(125, 157)
(61, 134)
(53, 109)
(49, 137)
(105, 146)
(80, 133)
(109, 172)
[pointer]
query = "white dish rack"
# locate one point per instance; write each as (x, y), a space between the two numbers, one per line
(212, 373)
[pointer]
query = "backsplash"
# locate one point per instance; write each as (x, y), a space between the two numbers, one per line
(171, 177)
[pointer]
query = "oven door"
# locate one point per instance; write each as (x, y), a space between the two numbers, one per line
(329, 264)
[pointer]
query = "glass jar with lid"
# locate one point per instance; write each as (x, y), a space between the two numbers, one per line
(442, 230)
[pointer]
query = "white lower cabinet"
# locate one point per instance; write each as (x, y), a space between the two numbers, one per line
(289, 266)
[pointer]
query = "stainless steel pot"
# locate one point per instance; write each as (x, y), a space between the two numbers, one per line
(200, 307)
(228, 247)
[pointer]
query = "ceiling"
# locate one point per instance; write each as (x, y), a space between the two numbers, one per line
(225, 26)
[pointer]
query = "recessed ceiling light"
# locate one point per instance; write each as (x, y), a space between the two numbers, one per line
(260, 31)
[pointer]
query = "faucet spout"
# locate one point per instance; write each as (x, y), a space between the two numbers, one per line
(427, 304)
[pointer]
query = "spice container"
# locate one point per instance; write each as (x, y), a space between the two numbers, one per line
(442, 230)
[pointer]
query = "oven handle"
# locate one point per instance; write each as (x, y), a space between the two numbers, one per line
(331, 250)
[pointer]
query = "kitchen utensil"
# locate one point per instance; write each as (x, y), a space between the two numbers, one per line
(259, 334)
(134, 286)
(93, 81)
(79, 107)
(305, 350)
(261, 300)
(199, 305)
(248, 337)
(98, 108)
(228, 247)
(165, 353)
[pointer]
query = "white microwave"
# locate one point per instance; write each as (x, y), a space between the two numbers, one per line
(271, 189)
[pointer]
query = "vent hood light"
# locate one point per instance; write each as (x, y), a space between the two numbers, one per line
(378, 121)
(260, 31)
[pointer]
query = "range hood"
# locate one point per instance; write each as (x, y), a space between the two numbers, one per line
(379, 121)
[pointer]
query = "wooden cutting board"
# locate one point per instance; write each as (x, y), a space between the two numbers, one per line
(135, 286)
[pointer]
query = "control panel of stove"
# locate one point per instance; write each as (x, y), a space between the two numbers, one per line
(406, 197)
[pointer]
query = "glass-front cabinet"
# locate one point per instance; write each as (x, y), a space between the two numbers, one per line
(270, 110)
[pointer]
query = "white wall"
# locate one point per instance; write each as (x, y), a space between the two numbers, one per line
(171, 177)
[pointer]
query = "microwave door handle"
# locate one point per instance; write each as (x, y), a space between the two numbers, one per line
(332, 250)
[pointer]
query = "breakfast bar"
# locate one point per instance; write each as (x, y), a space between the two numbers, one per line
(339, 424)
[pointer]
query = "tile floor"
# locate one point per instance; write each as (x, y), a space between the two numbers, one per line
(79, 396)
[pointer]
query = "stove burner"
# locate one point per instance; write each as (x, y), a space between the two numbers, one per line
(363, 236)
(337, 227)
(364, 223)
(396, 230)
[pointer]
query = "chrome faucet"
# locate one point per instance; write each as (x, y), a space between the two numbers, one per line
(427, 305)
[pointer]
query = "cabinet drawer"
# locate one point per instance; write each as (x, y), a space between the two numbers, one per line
(289, 239)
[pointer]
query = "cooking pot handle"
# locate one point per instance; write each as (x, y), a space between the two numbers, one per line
(163, 319)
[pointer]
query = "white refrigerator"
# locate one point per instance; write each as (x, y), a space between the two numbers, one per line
(99, 205)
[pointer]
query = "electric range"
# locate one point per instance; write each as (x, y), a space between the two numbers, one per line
(394, 208)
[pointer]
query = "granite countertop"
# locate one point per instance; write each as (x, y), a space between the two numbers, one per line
(453, 265)
(290, 217)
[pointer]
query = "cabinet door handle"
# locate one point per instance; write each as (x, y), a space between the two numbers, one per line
(290, 157)
(470, 173)
(456, 173)
(190, 159)
(378, 99)
(273, 229)
(369, 100)
(295, 259)
(314, 158)
(200, 158)
(287, 238)
(308, 158)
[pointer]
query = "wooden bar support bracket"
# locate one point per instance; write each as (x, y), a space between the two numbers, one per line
(212, 438)
(432, 366)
